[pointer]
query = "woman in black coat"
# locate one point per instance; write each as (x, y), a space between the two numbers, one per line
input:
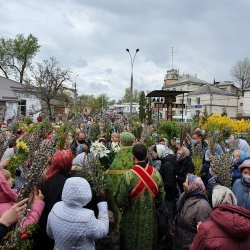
(186, 166)
(51, 186)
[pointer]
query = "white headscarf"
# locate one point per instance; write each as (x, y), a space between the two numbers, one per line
(163, 151)
(222, 195)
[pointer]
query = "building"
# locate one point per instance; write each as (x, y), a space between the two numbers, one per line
(124, 108)
(219, 97)
(16, 100)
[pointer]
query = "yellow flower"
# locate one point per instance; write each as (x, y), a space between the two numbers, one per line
(22, 145)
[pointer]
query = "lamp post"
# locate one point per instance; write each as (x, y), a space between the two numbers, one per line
(75, 101)
(131, 83)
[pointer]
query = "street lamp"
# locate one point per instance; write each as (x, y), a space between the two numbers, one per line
(131, 83)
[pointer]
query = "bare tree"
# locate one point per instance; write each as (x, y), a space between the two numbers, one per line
(49, 80)
(241, 73)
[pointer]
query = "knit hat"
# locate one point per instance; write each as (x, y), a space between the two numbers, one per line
(245, 164)
(223, 195)
(76, 192)
(163, 151)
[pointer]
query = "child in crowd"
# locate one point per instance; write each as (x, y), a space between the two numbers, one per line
(8, 197)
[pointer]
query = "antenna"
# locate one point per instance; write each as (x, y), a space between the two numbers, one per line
(172, 52)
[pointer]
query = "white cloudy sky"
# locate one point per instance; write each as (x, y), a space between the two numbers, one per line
(90, 38)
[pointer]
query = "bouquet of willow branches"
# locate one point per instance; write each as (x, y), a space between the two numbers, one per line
(221, 166)
(197, 157)
(185, 130)
(93, 172)
(40, 158)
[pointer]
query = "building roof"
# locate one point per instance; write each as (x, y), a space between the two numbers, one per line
(164, 93)
(210, 89)
(7, 88)
(190, 79)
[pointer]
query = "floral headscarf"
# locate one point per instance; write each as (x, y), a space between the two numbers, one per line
(195, 188)
(61, 161)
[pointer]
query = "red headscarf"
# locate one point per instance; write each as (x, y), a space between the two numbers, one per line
(61, 161)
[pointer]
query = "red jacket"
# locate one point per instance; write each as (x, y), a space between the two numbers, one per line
(229, 228)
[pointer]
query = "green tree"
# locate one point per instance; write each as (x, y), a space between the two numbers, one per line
(142, 107)
(135, 98)
(148, 113)
(16, 55)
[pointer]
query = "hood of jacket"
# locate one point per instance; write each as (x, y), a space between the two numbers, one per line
(233, 220)
(76, 192)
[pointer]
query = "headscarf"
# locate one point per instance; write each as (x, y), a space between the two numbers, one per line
(195, 188)
(185, 153)
(61, 161)
(163, 151)
(223, 195)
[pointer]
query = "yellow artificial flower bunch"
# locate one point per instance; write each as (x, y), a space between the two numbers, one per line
(220, 122)
(22, 146)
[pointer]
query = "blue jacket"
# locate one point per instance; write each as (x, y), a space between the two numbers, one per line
(242, 193)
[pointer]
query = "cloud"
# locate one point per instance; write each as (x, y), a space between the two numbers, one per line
(90, 37)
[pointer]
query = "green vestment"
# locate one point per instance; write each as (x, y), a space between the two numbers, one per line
(138, 226)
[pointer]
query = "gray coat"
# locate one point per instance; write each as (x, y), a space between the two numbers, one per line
(193, 211)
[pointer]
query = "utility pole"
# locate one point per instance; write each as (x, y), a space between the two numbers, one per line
(131, 80)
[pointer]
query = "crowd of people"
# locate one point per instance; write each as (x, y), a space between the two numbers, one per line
(161, 202)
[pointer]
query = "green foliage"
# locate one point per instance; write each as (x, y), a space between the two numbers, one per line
(93, 172)
(135, 98)
(15, 162)
(137, 130)
(148, 113)
(169, 129)
(127, 139)
(16, 55)
(27, 120)
(142, 107)
(24, 240)
(94, 132)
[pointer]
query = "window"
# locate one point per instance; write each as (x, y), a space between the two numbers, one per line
(241, 104)
(22, 107)
(189, 101)
(198, 101)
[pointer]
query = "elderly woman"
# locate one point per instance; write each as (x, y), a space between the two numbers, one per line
(241, 187)
(229, 225)
(51, 186)
(192, 207)
(186, 166)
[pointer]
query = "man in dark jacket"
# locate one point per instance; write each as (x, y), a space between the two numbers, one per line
(77, 145)
(186, 166)
(168, 171)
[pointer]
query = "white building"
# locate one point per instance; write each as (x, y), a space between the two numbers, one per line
(15, 100)
(125, 108)
(219, 97)
(245, 105)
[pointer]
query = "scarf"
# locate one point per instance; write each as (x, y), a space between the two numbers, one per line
(61, 161)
